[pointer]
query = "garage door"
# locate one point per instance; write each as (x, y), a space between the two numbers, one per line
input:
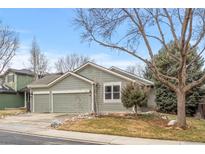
(41, 103)
(72, 103)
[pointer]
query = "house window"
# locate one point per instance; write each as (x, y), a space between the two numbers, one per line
(116, 92)
(112, 92)
(108, 92)
(10, 78)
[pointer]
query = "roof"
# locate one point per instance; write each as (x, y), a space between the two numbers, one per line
(46, 79)
(21, 71)
(50, 80)
(131, 75)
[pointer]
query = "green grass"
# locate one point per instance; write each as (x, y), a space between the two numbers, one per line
(11, 112)
(145, 126)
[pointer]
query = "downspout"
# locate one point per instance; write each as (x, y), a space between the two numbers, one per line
(33, 104)
(51, 97)
(93, 99)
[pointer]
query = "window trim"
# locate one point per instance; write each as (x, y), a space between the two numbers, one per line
(112, 84)
(9, 76)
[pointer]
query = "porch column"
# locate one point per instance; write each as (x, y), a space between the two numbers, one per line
(25, 100)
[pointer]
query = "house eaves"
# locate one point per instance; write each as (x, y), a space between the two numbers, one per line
(139, 79)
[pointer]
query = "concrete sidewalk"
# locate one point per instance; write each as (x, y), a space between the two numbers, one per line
(109, 139)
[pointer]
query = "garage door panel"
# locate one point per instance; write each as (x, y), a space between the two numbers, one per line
(72, 103)
(41, 103)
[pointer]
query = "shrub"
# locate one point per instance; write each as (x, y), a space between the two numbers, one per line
(133, 96)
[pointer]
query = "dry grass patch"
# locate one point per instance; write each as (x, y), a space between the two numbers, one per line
(145, 126)
(10, 112)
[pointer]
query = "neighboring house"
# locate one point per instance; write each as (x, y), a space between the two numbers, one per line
(13, 91)
(1, 79)
(90, 88)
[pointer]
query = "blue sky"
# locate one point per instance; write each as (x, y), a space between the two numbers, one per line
(56, 36)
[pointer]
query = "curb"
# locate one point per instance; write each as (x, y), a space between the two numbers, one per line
(54, 137)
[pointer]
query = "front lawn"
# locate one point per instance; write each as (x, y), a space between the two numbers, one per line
(145, 126)
(11, 112)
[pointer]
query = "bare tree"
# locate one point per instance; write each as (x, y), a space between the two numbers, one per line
(135, 69)
(8, 45)
(71, 62)
(38, 61)
(150, 28)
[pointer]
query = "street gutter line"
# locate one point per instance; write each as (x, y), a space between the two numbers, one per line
(53, 137)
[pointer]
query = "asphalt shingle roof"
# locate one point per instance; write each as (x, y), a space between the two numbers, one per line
(21, 71)
(46, 79)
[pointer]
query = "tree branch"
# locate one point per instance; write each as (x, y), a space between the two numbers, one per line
(171, 27)
(179, 16)
(184, 45)
(190, 28)
(159, 75)
(196, 57)
(194, 83)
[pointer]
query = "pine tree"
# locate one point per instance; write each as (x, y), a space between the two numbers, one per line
(166, 99)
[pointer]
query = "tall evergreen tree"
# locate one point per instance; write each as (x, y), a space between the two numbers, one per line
(165, 98)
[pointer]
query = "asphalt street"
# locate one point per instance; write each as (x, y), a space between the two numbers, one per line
(12, 138)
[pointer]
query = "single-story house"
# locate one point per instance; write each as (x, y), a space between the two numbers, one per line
(13, 92)
(89, 88)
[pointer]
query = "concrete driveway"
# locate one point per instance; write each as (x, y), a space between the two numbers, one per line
(31, 121)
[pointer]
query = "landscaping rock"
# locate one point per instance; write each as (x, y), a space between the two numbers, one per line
(164, 117)
(56, 123)
(81, 116)
(172, 123)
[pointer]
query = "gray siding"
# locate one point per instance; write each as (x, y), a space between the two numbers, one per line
(72, 103)
(71, 83)
(68, 83)
(101, 77)
(41, 103)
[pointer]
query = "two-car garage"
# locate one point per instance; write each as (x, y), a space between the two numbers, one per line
(70, 93)
(62, 102)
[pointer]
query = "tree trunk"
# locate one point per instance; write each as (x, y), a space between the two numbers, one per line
(181, 111)
(135, 109)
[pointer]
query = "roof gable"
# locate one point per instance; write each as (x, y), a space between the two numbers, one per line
(45, 83)
(103, 69)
